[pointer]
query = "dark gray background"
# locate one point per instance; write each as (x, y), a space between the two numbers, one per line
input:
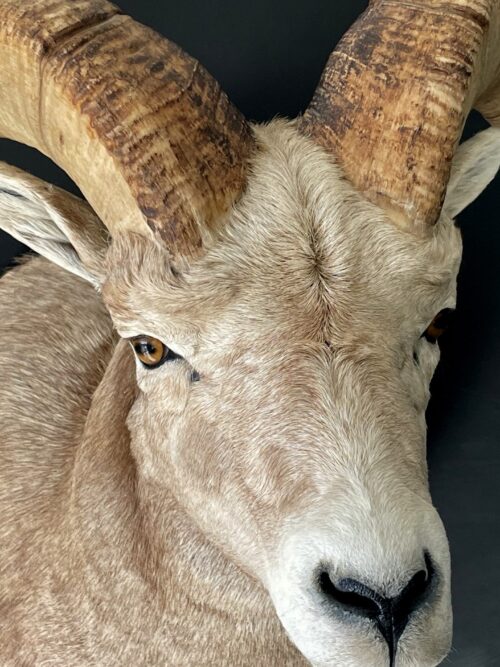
(268, 55)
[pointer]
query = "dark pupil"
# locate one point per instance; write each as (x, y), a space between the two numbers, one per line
(147, 349)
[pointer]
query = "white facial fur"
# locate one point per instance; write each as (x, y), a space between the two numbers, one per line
(304, 441)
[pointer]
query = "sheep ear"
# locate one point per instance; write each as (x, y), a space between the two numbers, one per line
(475, 164)
(53, 222)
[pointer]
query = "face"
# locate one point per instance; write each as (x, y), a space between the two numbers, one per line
(283, 382)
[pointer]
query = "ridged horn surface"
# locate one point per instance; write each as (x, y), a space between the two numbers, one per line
(394, 95)
(141, 127)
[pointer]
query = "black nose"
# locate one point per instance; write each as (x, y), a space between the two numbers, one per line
(390, 614)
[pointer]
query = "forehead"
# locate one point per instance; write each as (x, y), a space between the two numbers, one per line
(303, 253)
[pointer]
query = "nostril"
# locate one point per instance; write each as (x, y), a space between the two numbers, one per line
(391, 615)
(414, 595)
(348, 595)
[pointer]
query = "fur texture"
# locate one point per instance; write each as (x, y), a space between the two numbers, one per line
(150, 519)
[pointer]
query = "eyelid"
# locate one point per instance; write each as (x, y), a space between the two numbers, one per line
(186, 351)
(170, 357)
(180, 352)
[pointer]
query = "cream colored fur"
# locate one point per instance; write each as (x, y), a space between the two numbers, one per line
(146, 519)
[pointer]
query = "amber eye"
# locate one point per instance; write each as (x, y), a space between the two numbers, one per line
(439, 325)
(150, 351)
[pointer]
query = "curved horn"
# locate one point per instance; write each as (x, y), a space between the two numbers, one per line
(141, 127)
(395, 93)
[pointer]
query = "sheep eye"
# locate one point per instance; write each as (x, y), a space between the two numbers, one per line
(439, 325)
(151, 352)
